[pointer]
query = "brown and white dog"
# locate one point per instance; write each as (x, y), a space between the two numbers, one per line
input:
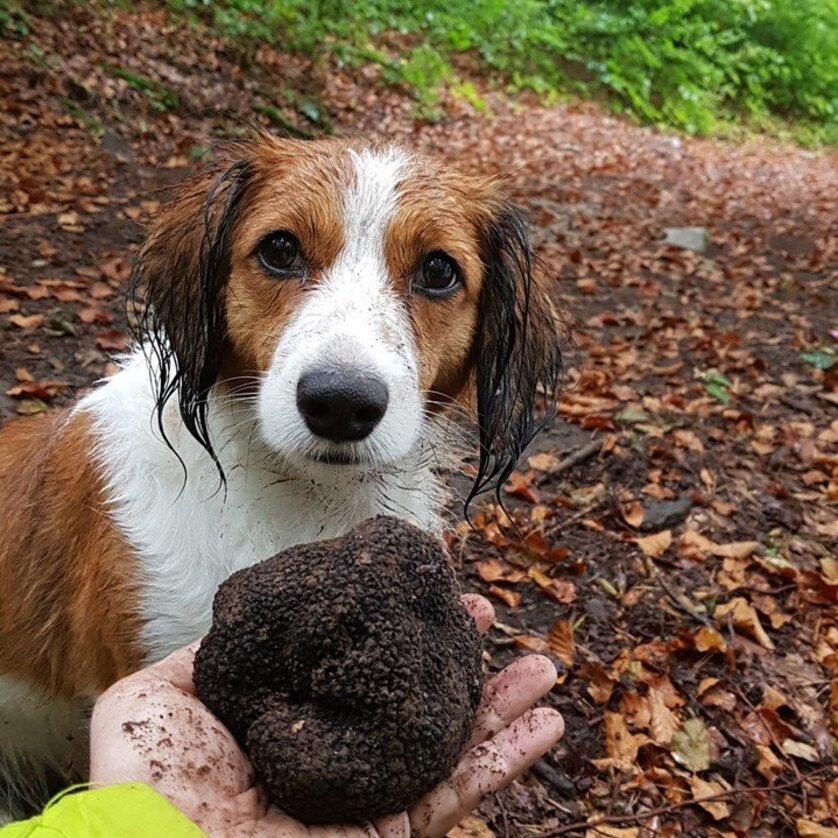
(313, 309)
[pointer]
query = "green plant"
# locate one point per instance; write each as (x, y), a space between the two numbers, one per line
(697, 65)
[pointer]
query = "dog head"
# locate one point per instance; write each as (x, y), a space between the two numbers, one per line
(349, 292)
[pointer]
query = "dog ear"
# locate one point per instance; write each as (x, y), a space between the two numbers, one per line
(177, 287)
(518, 352)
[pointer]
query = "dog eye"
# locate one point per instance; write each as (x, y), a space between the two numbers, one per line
(279, 252)
(438, 276)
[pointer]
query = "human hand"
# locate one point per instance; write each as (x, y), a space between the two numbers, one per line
(151, 727)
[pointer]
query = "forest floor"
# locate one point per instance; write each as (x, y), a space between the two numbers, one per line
(673, 542)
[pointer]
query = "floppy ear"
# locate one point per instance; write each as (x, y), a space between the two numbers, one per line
(179, 276)
(518, 350)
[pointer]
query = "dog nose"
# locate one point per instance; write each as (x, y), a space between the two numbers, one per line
(340, 403)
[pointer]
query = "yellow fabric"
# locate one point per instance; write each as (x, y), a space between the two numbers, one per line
(132, 810)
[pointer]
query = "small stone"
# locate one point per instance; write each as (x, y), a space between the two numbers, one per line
(688, 238)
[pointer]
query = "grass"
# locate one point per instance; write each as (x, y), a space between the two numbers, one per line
(701, 66)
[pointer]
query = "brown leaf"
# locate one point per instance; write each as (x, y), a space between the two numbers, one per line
(521, 486)
(663, 722)
(702, 790)
(744, 619)
(707, 638)
(621, 746)
(655, 545)
(511, 598)
(112, 339)
(8, 305)
(811, 829)
(600, 684)
(561, 642)
(26, 322)
(543, 461)
(471, 827)
(632, 513)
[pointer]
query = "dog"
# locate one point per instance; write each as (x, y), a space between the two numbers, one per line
(308, 313)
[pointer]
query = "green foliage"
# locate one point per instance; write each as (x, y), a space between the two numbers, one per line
(160, 97)
(13, 21)
(698, 65)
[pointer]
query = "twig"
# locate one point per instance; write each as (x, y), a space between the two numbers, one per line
(663, 810)
(578, 456)
(575, 517)
(670, 595)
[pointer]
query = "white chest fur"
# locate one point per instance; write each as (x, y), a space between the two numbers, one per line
(190, 533)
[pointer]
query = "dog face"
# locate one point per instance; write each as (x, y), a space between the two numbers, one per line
(348, 293)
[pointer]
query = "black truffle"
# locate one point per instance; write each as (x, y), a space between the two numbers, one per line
(348, 670)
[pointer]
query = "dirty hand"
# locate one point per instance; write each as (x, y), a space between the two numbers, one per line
(153, 728)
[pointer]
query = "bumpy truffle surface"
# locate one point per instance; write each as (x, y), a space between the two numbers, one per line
(347, 669)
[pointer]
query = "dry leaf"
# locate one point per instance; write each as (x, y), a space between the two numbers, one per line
(543, 461)
(663, 722)
(800, 749)
(511, 598)
(621, 746)
(707, 638)
(655, 545)
(471, 827)
(605, 830)
(632, 513)
(26, 322)
(769, 765)
(811, 829)
(690, 745)
(600, 684)
(702, 789)
(744, 619)
(561, 642)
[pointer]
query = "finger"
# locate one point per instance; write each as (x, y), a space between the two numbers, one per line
(480, 609)
(177, 668)
(485, 769)
(393, 826)
(512, 692)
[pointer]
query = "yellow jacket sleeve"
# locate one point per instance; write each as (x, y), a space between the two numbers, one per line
(132, 810)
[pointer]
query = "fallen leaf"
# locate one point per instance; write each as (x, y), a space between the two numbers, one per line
(561, 642)
(702, 790)
(800, 749)
(543, 461)
(632, 513)
(655, 545)
(707, 639)
(744, 619)
(471, 827)
(511, 598)
(26, 322)
(605, 830)
(663, 722)
(690, 745)
(600, 685)
(769, 765)
(112, 339)
(811, 829)
(621, 746)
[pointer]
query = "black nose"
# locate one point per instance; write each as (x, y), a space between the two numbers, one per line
(340, 403)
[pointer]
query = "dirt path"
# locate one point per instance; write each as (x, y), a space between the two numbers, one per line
(683, 571)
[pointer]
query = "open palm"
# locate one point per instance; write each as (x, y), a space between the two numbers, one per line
(153, 728)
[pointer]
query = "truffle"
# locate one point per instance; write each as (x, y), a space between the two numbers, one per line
(347, 669)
